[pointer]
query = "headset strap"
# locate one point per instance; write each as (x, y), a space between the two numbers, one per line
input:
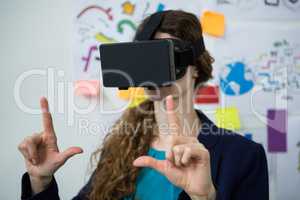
(149, 29)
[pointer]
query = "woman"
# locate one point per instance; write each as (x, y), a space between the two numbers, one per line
(174, 152)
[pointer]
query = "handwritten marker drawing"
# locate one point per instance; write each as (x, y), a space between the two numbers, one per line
(97, 8)
(125, 22)
(128, 8)
(89, 57)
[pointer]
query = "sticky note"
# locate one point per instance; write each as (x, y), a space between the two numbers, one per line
(137, 101)
(208, 94)
(228, 118)
(123, 94)
(89, 88)
(277, 130)
(135, 95)
(131, 93)
(213, 23)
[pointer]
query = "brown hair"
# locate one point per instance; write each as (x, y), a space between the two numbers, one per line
(131, 136)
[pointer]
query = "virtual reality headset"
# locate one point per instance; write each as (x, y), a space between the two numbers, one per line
(147, 62)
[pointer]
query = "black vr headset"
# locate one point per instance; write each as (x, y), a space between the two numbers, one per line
(147, 62)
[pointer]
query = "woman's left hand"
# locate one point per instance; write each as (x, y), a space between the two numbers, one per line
(187, 163)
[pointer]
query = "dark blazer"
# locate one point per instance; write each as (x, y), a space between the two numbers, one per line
(238, 165)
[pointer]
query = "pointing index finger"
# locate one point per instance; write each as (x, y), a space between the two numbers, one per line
(47, 119)
(173, 120)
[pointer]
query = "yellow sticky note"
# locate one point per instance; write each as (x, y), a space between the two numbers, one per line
(136, 96)
(137, 101)
(213, 23)
(137, 92)
(228, 118)
(131, 93)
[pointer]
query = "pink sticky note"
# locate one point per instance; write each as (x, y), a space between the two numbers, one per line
(88, 88)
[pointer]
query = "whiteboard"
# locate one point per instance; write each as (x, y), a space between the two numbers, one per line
(257, 39)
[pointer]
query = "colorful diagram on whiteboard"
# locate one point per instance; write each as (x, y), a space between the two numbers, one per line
(279, 69)
(276, 70)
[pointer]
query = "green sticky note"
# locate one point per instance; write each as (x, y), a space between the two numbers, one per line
(228, 118)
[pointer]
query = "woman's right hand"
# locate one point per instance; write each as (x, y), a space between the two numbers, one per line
(41, 153)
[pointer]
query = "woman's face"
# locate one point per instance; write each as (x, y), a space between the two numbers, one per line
(179, 87)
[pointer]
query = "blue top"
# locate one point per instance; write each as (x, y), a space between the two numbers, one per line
(151, 185)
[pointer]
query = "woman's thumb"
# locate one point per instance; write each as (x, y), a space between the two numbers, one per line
(70, 152)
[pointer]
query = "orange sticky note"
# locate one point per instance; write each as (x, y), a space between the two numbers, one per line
(132, 92)
(213, 23)
(87, 88)
(124, 94)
